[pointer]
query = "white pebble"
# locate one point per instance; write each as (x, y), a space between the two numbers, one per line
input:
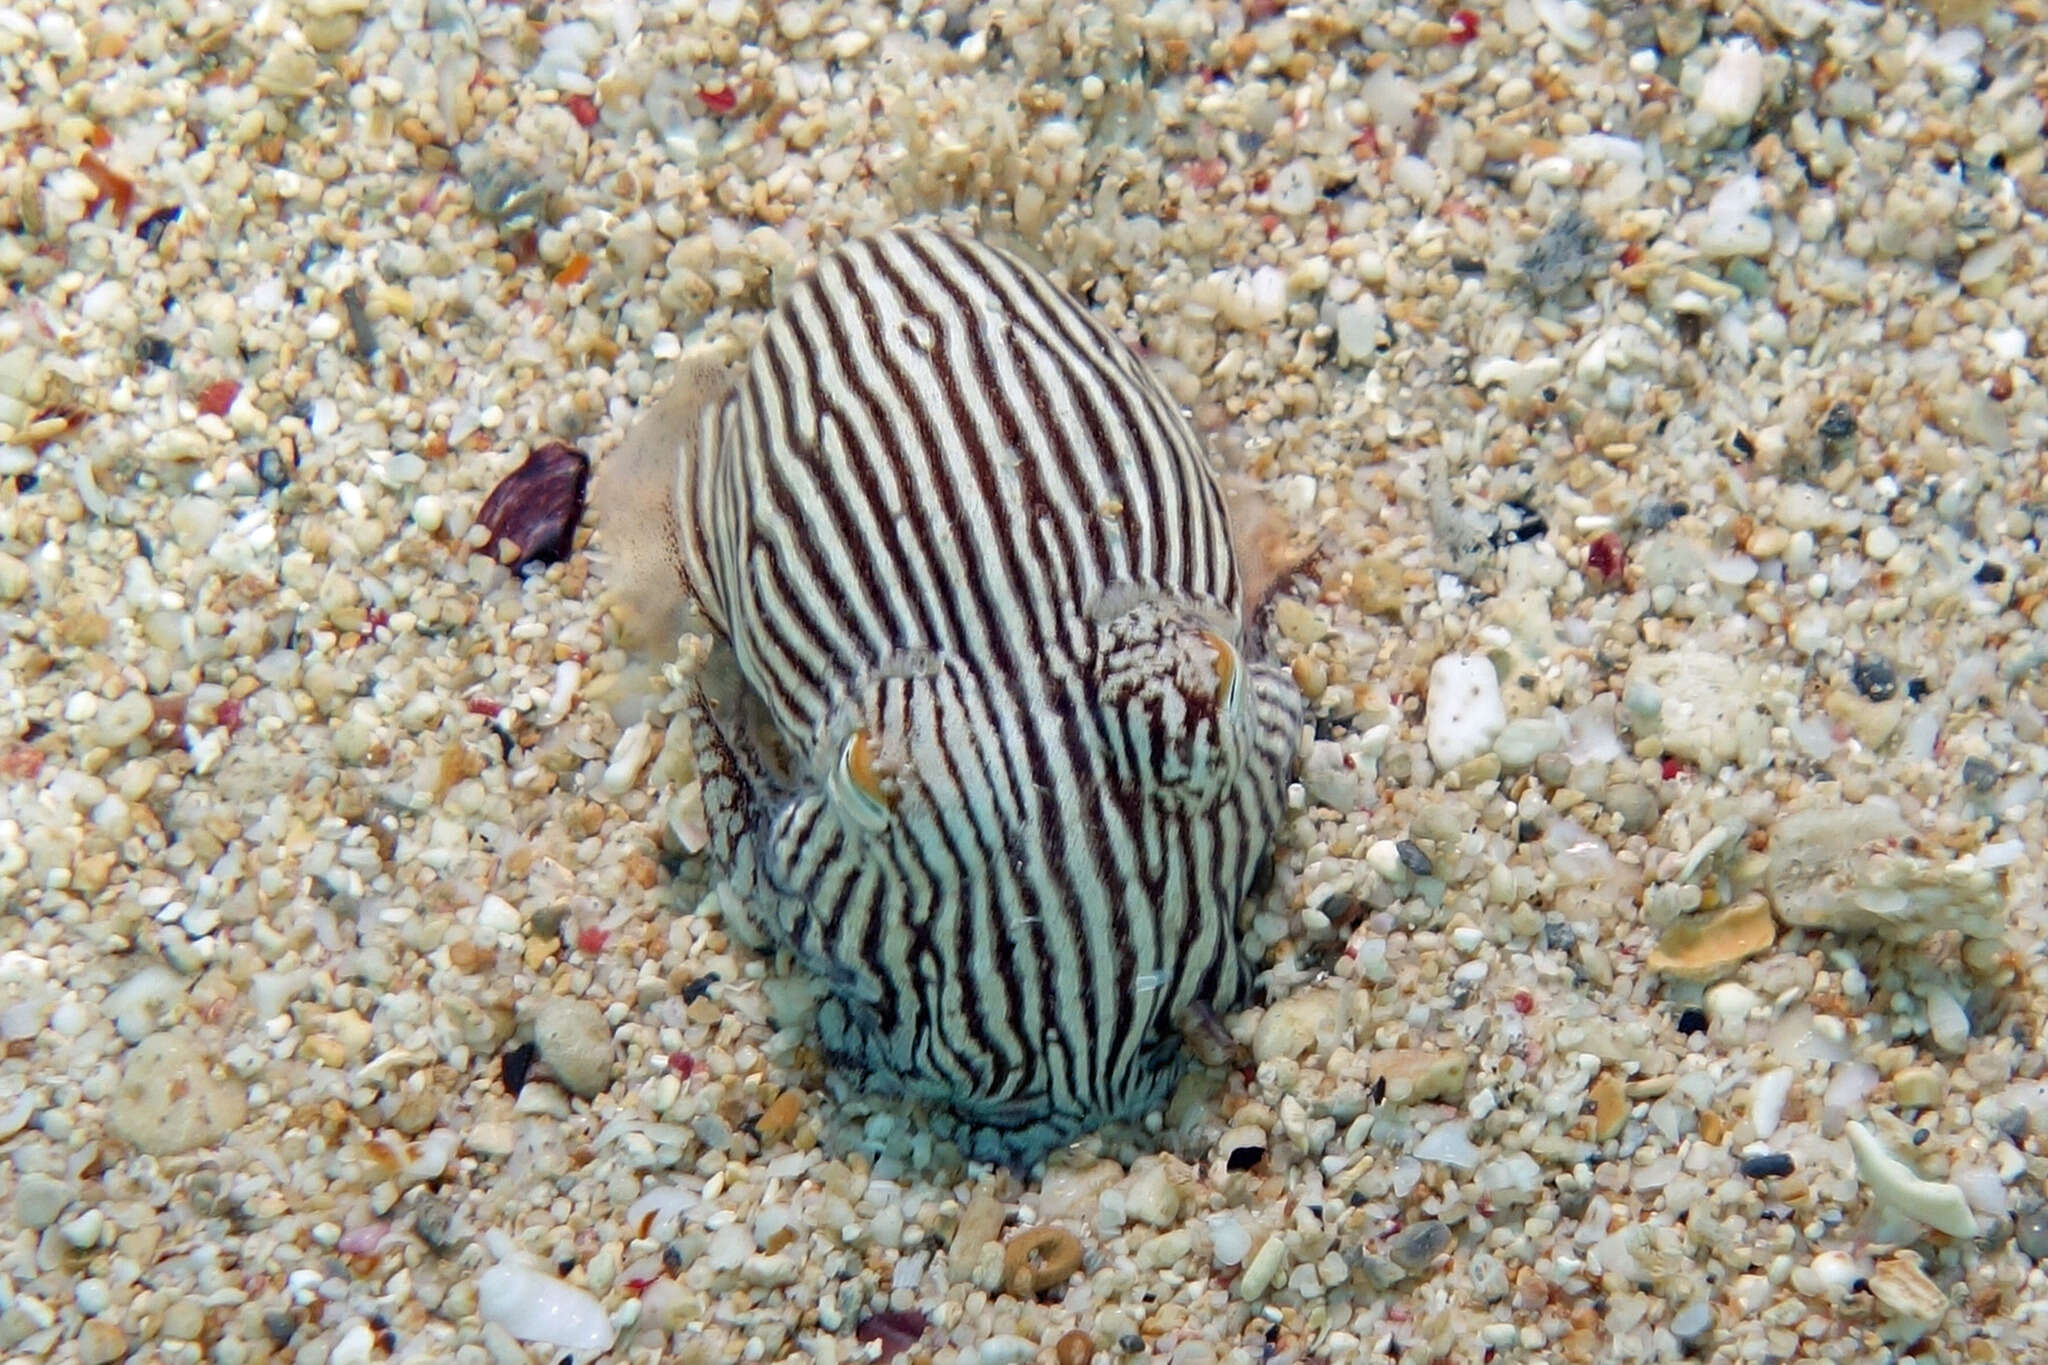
(1767, 1101)
(1268, 294)
(145, 1002)
(1358, 330)
(196, 522)
(1152, 1197)
(535, 1306)
(1294, 188)
(1730, 1003)
(83, 1232)
(1947, 1021)
(796, 20)
(1229, 1242)
(497, 915)
(1005, 1350)
(103, 301)
(1464, 710)
(121, 720)
(1734, 87)
(92, 1296)
(58, 33)
(1524, 741)
(629, 756)
(354, 1345)
(1732, 570)
(1893, 1184)
(1263, 1269)
(428, 513)
(1415, 178)
(1838, 1271)
(1449, 1144)
(1569, 21)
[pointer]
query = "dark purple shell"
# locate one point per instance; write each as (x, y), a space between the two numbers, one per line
(898, 1329)
(536, 506)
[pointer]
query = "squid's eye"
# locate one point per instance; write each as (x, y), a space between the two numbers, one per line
(1229, 677)
(859, 785)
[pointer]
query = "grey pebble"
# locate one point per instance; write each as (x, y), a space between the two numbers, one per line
(169, 1098)
(2032, 1232)
(1383, 1273)
(1415, 1246)
(576, 1043)
(1553, 770)
(1413, 858)
(1634, 803)
(39, 1199)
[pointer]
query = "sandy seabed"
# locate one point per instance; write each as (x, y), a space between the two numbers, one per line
(1655, 950)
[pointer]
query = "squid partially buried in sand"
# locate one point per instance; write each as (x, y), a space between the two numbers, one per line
(990, 743)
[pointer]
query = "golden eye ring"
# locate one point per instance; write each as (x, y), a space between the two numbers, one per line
(863, 789)
(1228, 673)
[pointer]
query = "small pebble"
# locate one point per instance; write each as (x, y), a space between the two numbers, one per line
(1895, 1185)
(1917, 1087)
(1464, 710)
(573, 1039)
(1873, 676)
(2031, 1232)
(1152, 1197)
(1734, 87)
(184, 1320)
(1634, 804)
(1229, 1242)
(535, 1306)
(92, 1296)
(101, 1342)
(169, 1098)
(1767, 1166)
(1415, 1246)
(39, 1200)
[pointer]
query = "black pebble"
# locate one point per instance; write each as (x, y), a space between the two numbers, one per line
(1559, 936)
(1980, 773)
(1691, 1022)
(1991, 573)
(1839, 424)
(1767, 1166)
(1874, 678)
(1244, 1158)
(151, 229)
(516, 1064)
(1527, 525)
(694, 991)
(155, 351)
(1655, 516)
(1414, 859)
(272, 469)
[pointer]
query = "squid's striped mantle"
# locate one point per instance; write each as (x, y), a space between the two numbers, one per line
(992, 749)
